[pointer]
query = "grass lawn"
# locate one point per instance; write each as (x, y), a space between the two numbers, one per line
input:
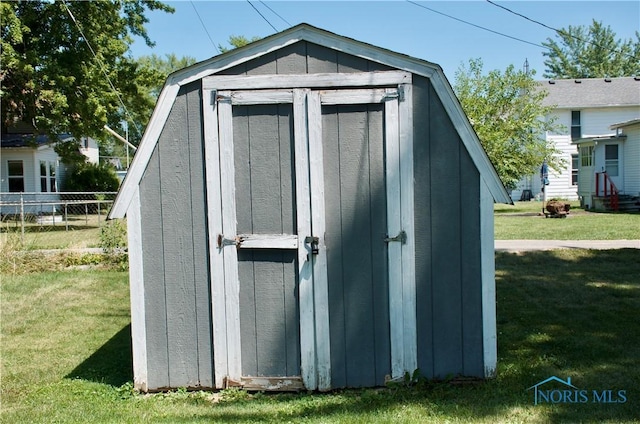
(79, 232)
(66, 354)
(521, 221)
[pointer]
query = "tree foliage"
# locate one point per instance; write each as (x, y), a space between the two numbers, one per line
(507, 113)
(53, 80)
(236, 41)
(592, 52)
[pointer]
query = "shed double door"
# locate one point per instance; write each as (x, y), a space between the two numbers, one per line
(303, 237)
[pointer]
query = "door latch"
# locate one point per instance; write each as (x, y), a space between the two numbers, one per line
(401, 237)
(314, 242)
(222, 241)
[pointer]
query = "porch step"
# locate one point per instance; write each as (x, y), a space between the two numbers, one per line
(626, 203)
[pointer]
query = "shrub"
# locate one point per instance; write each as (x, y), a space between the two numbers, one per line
(113, 241)
(92, 177)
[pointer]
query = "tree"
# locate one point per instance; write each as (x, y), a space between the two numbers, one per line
(236, 41)
(159, 68)
(152, 72)
(507, 113)
(592, 52)
(53, 80)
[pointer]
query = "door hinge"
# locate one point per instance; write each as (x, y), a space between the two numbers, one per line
(401, 237)
(401, 93)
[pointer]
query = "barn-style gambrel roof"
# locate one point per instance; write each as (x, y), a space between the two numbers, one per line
(305, 32)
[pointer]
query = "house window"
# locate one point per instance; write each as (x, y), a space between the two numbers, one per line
(53, 185)
(576, 130)
(574, 168)
(611, 159)
(586, 155)
(43, 176)
(16, 176)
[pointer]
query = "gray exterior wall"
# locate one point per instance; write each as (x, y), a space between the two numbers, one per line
(447, 226)
(174, 228)
(447, 231)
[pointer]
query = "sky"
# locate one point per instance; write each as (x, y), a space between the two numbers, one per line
(197, 27)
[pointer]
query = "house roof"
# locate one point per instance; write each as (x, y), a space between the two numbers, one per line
(305, 32)
(29, 140)
(626, 123)
(592, 92)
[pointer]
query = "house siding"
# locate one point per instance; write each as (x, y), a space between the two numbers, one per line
(447, 232)
(28, 158)
(594, 121)
(631, 158)
(175, 252)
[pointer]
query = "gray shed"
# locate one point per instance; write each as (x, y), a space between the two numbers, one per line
(309, 211)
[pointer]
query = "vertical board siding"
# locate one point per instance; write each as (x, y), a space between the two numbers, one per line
(305, 57)
(448, 259)
(265, 204)
(446, 198)
(422, 217)
(175, 252)
(199, 233)
(356, 224)
(178, 246)
(471, 268)
(154, 282)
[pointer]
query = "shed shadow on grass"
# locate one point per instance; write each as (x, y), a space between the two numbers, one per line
(111, 364)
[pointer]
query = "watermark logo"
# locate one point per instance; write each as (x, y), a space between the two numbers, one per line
(556, 390)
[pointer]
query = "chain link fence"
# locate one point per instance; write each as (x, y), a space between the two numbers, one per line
(54, 220)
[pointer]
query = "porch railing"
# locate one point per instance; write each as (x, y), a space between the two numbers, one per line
(609, 189)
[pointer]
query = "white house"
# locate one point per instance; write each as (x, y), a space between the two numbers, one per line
(609, 168)
(586, 108)
(30, 164)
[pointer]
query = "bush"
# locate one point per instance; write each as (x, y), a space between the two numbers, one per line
(113, 241)
(92, 177)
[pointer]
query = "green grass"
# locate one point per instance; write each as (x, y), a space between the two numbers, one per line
(66, 354)
(82, 231)
(523, 222)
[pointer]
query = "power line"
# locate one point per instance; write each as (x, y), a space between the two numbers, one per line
(525, 17)
(102, 68)
(560, 32)
(263, 17)
(275, 13)
(205, 27)
(475, 25)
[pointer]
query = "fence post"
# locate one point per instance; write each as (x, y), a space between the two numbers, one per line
(66, 220)
(22, 218)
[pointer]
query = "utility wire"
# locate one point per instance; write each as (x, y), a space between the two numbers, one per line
(526, 17)
(205, 28)
(102, 67)
(263, 17)
(474, 25)
(560, 32)
(275, 13)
